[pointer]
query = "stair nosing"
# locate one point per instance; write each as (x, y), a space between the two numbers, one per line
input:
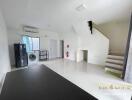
(121, 69)
(115, 55)
(114, 66)
(115, 58)
(114, 63)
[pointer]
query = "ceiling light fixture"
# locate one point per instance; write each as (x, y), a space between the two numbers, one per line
(81, 7)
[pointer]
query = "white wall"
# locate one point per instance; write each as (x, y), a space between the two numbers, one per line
(117, 32)
(72, 40)
(14, 36)
(96, 44)
(128, 73)
(4, 53)
(80, 55)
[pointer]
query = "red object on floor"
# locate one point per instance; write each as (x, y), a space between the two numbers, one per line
(67, 54)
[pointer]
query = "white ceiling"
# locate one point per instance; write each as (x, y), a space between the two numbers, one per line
(61, 15)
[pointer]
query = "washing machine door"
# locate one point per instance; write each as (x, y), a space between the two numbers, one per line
(32, 58)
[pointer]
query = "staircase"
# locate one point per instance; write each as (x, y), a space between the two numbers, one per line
(114, 64)
(114, 61)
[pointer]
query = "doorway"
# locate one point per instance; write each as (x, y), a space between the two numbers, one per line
(61, 48)
(82, 55)
(53, 49)
(85, 55)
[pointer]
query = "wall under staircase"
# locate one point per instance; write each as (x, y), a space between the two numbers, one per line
(95, 43)
(117, 33)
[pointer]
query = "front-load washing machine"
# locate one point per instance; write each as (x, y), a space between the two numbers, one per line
(33, 57)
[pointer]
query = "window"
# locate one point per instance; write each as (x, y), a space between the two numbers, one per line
(32, 44)
(35, 42)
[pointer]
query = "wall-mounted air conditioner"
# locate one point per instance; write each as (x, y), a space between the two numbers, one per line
(30, 29)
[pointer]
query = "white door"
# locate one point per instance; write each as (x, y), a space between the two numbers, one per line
(53, 49)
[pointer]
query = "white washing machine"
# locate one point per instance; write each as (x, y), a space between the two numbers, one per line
(33, 57)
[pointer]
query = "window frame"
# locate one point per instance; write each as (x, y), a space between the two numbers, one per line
(32, 42)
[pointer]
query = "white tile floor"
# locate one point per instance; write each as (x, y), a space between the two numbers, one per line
(90, 77)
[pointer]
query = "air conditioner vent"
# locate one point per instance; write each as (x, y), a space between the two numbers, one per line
(30, 29)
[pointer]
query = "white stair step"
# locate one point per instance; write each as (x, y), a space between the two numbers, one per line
(115, 57)
(114, 66)
(113, 70)
(115, 61)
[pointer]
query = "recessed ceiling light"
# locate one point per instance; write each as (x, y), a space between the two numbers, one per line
(81, 7)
